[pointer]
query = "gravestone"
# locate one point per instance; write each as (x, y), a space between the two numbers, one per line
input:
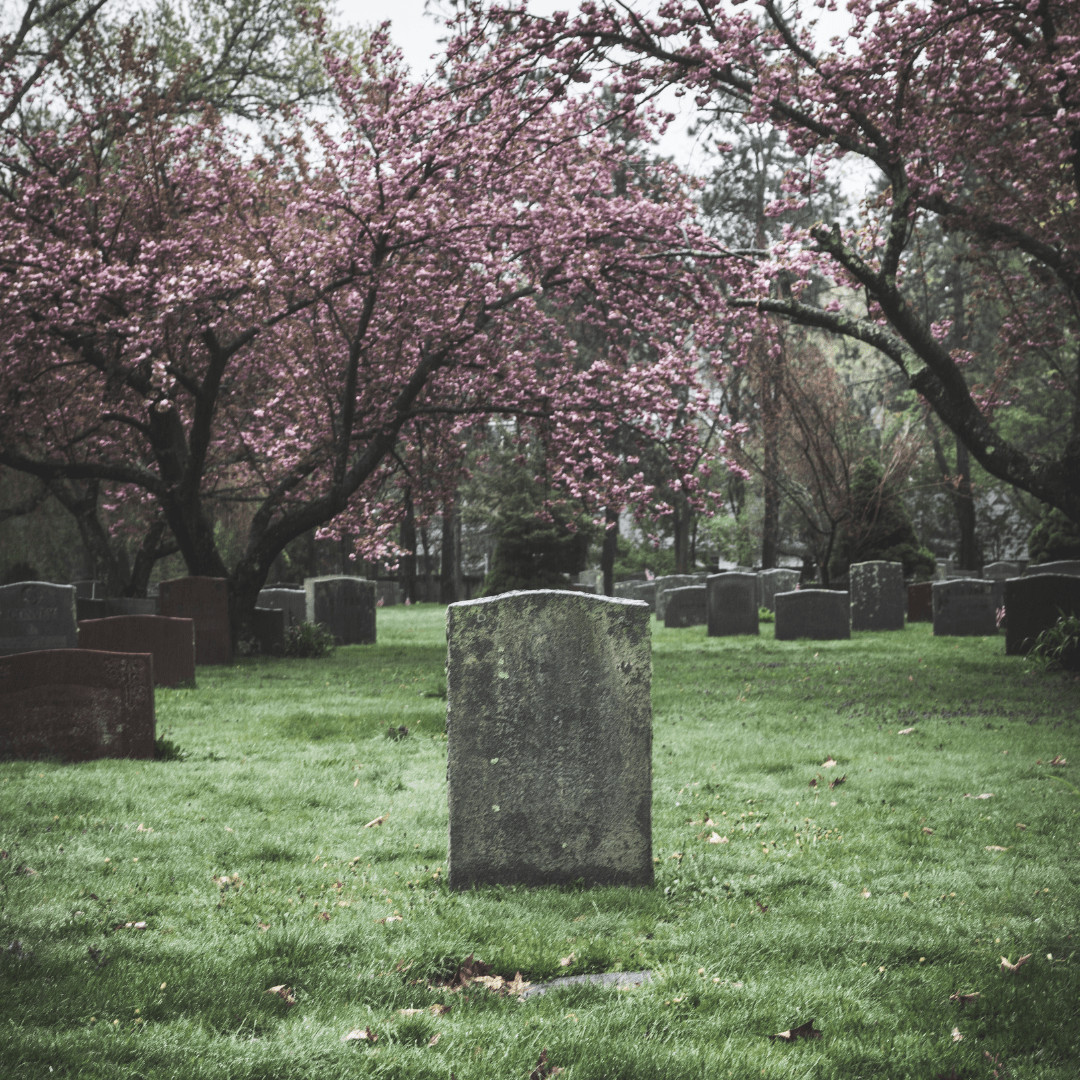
(731, 604)
(77, 705)
(965, 607)
(206, 601)
(387, 593)
(133, 605)
(685, 607)
(344, 605)
(549, 740)
(1069, 567)
(88, 590)
(292, 601)
(271, 627)
(645, 591)
(999, 571)
(920, 602)
(770, 582)
(171, 642)
(665, 584)
(1034, 604)
(821, 614)
(87, 608)
(877, 595)
(37, 615)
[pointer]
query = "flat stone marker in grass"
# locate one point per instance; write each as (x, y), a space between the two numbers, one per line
(731, 604)
(685, 607)
(645, 591)
(770, 582)
(77, 705)
(877, 595)
(292, 601)
(170, 641)
(920, 602)
(1069, 567)
(205, 600)
(820, 614)
(965, 607)
(344, 605)
(37, 615)
(1034, 604)
(549, 740)
(666, 584)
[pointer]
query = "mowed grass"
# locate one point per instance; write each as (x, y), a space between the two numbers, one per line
(863, 906)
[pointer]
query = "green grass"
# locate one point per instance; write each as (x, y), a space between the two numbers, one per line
(287, 760)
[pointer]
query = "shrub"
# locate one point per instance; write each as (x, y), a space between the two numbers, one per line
(308, 641)
(765, 615)
(1058, 647)
(1056, 537)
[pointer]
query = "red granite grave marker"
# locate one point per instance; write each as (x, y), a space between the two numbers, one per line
(171, 641)
(206, 601)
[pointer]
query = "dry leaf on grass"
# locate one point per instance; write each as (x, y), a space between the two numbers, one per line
(837, 782)
(865, 894)
(498, 985)
(410, 1012)
(761, 907)
(389, 919)
(1057, 759)
(984, 795)
(995, 847)
(264, 926)
(1006, 966)
(829, 762)
(963, 999)
(434, 1038)
(440, 1010)
(29, 871)
(905, 731)
(956, 1036)
(813, 783)
(543, 1069)
(284, 992)
(325, 916)
(566, 961)
(803, 1031)
(713, 837)
(360, 1035)
(928, 830)
(376, 821)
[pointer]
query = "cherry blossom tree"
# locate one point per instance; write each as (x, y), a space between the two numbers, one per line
(968, 111)
(189, 316)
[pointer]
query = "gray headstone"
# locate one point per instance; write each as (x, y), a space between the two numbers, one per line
(685, 607)
(877, 595)
(1069, 567)
(133, 605)
(732, 604)
(999, 571)
(821, 614)
(1034, 604)
(645, 591)
(292, 601)
(770, 582)
(344, 605)
(89, 590)
(549, 740)
(665, 584)
(964, 607)
(37, 615)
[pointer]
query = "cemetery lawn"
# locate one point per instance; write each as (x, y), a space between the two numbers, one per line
(148, 907)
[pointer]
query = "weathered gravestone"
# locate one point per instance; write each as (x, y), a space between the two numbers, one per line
(685, 607)
(920, 602)
(270, 626)
(731, 604)
(292, 601)
(999, 571)
(1034, 604)
(344, 605)
(645, 591)
(666, 584)
(822, 614)
(549, 740)
(37, 615)
(877, 595)
(88, 589)
(206, 601)
(964, 607)
(133, 605)
(77, 705)
(770, 582)
(90, 609)
(170, 641)
(1069, 567)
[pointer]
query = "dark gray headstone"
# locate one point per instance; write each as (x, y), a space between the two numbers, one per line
(877, 595)
(77, 704)
(206, 601)
(999, 571)
(292, 601)
(731, 604)
(134, 605)
(171, 642)
(821, 614)
(1069, 567)
(665, 584)
(271, 627)
(549, 740)
(685, 607)
(1034, 604)
(920, 602)
(37, 615)
(90, 609)
(645, 591)
(964, 607)
(770, 582)
(344, 605)
(88, 590)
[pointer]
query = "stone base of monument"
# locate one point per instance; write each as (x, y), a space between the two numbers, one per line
(76, 705)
